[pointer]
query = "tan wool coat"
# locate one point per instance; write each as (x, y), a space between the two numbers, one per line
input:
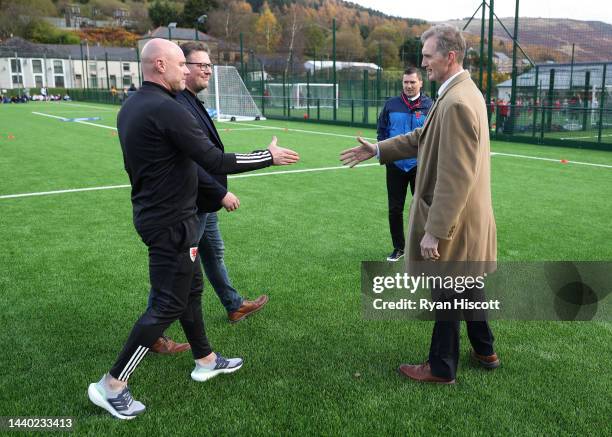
(452, 200)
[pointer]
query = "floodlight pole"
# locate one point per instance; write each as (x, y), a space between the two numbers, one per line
(572, 69)
(334, 67)
(138, 65)
(514, 70)
(482, 36)
(241, 56)
(490, 61)
(602, 102)
(82, 66)
(107, 78)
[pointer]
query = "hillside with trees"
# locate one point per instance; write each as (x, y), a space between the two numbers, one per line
(290, 29)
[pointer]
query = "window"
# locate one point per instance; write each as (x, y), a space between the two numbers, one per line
(37, 66)
(59, 82)
(38, 81)
(226, 56)
(16, 75)
(16, 65)
(93, 80)
(126, 66)
(113, 80)
(93, 67)
(127, 80)
(58, 66)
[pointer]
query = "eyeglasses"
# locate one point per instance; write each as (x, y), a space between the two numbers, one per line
(201, 65)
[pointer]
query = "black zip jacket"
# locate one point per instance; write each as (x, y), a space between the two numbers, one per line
(212, 187)
(161, 143)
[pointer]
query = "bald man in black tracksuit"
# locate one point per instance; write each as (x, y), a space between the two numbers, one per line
(161, 145)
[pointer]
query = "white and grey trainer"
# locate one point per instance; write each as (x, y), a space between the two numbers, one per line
(121, 405)
(221, 365)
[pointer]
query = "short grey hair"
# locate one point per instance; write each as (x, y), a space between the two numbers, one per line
(448, 39)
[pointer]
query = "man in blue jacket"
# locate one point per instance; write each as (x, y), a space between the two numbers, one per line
(400, 115)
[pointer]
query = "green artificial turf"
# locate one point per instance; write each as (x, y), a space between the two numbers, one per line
(73, 279)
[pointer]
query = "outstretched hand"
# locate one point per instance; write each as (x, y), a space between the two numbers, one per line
(282, 156)
(354, 156)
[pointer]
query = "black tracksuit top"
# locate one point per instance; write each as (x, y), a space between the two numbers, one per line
(161, 143)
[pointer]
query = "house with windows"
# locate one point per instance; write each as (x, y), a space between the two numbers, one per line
(24, 64)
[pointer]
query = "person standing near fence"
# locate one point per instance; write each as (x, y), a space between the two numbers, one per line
(400, 115)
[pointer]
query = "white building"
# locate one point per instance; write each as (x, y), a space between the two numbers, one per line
(565, 75)
(31, 65)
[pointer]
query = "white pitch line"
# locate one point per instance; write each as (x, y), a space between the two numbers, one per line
(76, 121)
(301, 130)
(99, 108)
(584, 138)
(549, 159)
(74, 190)
(111, 187)
(229, 129)
(49, 115)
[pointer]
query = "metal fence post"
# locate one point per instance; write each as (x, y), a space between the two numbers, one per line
(536, 97)
(308, 93)
(602, 102)
(587, 86)
(551, 94)
(365, 96)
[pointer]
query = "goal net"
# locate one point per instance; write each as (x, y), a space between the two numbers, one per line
(302, 95)
(227, 96)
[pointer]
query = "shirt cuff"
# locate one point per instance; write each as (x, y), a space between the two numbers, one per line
(377, 152)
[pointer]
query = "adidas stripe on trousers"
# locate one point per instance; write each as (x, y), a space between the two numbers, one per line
(176, 294)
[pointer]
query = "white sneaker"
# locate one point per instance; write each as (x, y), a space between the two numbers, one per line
(221, 365)
(122, 406)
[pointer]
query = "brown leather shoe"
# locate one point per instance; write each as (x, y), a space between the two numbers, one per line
(422, 373)
(166, 346)
(247, 308)
(488, 362)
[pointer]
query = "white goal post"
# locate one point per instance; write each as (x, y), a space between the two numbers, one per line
(302, 95)
(227, 97)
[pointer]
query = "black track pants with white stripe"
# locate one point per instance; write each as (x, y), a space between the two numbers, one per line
(176, 292)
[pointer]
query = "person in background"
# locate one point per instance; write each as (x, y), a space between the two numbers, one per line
(400, 115)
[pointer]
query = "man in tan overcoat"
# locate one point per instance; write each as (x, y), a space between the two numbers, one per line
(451, 216)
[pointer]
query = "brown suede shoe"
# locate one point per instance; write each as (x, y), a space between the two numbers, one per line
(247, 308)
(166, 346)
(488, 362)
(422, 373)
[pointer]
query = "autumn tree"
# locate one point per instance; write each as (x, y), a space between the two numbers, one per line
(349, 44)
(267, 30)
(386, 40)
(315, 39)
(230, 19)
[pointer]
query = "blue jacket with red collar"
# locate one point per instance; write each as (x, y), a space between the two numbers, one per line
(400, 116)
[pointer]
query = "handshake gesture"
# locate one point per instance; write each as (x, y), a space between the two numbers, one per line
(354, 156)
(282, 156)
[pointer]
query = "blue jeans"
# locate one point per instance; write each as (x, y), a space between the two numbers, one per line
(211, 250)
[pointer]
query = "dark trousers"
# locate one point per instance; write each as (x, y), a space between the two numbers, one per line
(176, 294)
(397, 187)
(444, 348)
